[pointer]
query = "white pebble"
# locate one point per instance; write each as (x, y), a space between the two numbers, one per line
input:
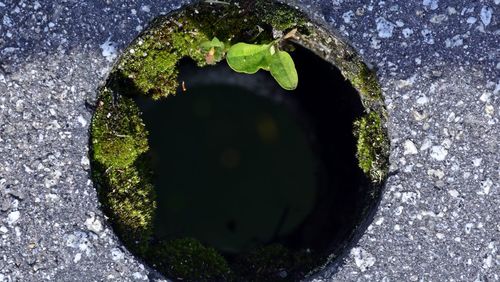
(7, 21)
(85, 161)
(485, 187)
(108, 49)
(4, 230)
(486, 13)
(93, 224)
(428, 37)
(488, 262)
(410, 148)
(77, 258)
(468, 227)
(13, 217)
(455, 41)
(117, 254)
(137, 275)
(446, 143)
(437, 19)
(471, 20)
(347, 16)
(379, 221)
(384, 28)
(82, 121)
(398, 210)
(438, 153)
(489, 109)
(362, 258)
(485, 97)
(409, 197)
(375, 43)
(454, 193)
(407, 32)
(422, 100)
(432, 4)
(439, 174)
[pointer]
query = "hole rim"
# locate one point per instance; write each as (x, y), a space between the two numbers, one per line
(329, 46)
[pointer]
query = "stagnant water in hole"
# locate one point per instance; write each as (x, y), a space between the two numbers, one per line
(233, 169)
(240, 162)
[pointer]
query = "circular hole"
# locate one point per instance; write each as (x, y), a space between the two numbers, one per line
(235, 178)
(232, 169)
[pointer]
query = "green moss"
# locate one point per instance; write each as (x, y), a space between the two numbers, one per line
(365, 81)
(274, 263)
(188, 259)
(121, 168)
(150, 64)
(118, 134)
(282, 16)
(373, 146)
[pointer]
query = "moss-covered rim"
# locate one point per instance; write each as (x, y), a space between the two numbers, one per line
(119, 147)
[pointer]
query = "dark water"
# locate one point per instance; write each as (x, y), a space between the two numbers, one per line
(234, 170)
(241, 163)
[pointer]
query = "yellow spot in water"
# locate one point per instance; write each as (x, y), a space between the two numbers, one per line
(267, 129)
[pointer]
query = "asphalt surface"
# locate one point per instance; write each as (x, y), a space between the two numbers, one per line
(438, 63)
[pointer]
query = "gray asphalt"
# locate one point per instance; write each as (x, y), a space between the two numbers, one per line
(438, 63)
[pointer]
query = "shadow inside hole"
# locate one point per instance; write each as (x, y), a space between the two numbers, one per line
(233, 169)
(240, 163)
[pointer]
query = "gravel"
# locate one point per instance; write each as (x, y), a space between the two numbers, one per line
(437, 60)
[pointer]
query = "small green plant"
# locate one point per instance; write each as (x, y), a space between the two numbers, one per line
(214, 49)
(250, 58)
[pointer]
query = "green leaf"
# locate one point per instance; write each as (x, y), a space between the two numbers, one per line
(249, 58)
(215, 43)
(284, 71)
(214, 50)
(206, 45)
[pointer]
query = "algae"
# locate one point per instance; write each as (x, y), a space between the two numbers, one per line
(190, 260)
(151, 60)
(373, 146)
(120, 168)
(274, 263)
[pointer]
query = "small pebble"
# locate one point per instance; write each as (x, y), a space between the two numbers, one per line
(439, 153)
(410, 148)
(13, 217)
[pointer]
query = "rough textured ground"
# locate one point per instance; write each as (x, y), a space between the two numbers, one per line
(437, 60)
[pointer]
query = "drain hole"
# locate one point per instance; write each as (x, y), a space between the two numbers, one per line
(234, 178)
(232, 169)
(240, 163)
